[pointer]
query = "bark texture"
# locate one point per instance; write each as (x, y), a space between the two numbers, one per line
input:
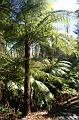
(27, 78)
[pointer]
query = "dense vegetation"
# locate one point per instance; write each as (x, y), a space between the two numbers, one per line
(39, 65)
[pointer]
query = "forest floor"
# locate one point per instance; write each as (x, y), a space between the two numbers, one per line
(70, 113)
(41, 115)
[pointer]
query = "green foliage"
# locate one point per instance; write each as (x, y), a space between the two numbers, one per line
(41, 92)
(54, 70)
(61, 68)
(6, 111)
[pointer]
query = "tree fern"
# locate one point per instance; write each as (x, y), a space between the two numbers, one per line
(61, 68)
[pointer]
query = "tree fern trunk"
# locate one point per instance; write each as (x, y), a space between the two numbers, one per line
(27, 78)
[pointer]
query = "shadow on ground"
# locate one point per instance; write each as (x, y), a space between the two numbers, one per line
(65, 113)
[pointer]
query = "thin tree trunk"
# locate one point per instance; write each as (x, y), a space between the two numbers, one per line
(27, 78)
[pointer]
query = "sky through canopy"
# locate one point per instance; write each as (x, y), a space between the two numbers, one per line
(70, 5)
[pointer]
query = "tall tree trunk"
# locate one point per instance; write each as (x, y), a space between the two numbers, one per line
(27, 78)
